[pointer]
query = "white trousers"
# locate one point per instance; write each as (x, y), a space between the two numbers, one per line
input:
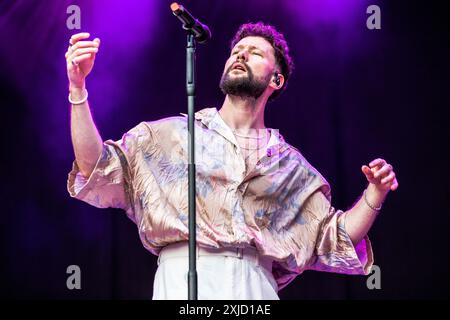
(223, 274)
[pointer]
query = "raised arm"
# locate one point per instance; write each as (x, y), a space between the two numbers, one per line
(86, 140)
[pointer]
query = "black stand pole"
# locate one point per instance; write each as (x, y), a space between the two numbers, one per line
(190, 90)
(196, 32)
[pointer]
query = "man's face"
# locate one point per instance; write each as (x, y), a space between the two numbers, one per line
(249, 69)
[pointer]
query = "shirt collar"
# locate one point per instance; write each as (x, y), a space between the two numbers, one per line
(211, 118)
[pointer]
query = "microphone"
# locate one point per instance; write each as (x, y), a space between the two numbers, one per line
(201, 32)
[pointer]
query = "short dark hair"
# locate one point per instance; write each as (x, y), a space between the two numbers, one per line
(278, 42)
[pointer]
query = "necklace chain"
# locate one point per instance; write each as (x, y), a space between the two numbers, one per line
(258, 146)
(246, 148)
(253, 150)
(251, 137)
(256, 150)
(247, 157)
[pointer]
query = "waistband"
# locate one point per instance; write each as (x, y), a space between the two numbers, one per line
(181, 249)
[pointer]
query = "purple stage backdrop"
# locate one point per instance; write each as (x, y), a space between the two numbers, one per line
(356, 94)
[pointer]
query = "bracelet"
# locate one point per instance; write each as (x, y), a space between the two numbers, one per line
(371, 206)
(80, 101)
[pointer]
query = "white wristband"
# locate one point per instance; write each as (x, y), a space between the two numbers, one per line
(371, 206)
(80, 101)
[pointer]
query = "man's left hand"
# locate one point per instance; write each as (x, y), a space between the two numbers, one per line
(381, 174)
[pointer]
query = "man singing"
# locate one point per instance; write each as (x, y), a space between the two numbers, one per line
(264, 213)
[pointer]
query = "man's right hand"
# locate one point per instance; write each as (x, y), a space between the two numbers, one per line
(80, 58)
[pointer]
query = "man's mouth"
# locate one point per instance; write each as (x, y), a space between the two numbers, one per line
(238, 66)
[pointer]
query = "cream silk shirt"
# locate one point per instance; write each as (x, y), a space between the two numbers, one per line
(282, 206)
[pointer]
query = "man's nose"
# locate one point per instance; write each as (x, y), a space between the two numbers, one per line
(242, 55)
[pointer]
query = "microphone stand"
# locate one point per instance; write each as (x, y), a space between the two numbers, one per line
(196, 31)
(190, 90)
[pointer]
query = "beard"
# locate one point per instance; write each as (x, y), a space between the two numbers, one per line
(245, 85)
